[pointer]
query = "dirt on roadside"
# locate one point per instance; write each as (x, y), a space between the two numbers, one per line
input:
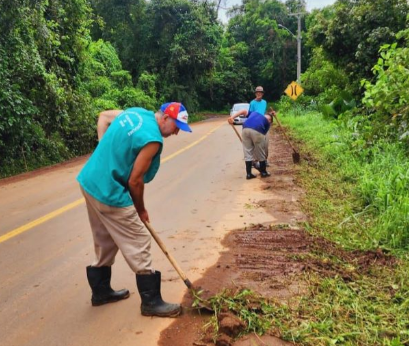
(269, 259)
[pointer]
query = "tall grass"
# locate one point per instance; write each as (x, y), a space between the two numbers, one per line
(376, 177)
(357, 196)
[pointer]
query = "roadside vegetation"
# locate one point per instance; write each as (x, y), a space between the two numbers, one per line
(368, 184)
(357, 198)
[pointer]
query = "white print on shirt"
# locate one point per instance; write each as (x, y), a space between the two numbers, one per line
(128, 121)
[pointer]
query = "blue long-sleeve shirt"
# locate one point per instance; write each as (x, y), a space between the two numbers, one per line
(257, 122)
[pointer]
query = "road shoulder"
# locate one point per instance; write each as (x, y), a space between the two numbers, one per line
(259, 256)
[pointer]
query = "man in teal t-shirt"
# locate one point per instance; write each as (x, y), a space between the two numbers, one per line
(112, 182)
(258, 104)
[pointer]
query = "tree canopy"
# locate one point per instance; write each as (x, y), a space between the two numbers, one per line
(62, 62)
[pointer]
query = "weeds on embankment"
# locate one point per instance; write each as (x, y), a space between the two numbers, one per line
(365, 186)
(357, 197)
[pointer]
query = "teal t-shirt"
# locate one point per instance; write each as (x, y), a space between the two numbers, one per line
(106, 173)
(258, 106)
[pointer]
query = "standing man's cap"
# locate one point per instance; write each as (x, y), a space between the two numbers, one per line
(259, 89)
(178, 112)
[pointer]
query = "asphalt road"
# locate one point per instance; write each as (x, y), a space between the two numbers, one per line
(198, 195)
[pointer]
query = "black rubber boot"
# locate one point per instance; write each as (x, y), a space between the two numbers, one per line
(263, 169)
(99, 278)
(152, 303)
(248, 170)
(256, 165)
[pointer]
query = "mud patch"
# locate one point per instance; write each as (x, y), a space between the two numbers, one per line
(329, 260)
(260, 258)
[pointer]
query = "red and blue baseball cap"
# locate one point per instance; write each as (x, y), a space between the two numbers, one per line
(178, 112)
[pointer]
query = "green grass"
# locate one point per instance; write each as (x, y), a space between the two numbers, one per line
(257, 318)
(356, 197)
(371, 310)
(374, 180)
(195, 117)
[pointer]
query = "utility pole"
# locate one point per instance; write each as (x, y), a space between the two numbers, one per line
(218, 6)
(299, 14)
(299, 48)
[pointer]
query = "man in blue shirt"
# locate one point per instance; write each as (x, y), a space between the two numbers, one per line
(112, 182)
(255, 129)
(258, 105)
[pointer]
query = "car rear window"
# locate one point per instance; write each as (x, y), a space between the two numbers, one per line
(237, 108)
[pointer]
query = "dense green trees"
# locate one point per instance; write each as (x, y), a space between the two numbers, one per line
(351, 33)
(360, 47)
(183, 43)
(61, 62)
(176, 40)
(270, 52)
(41, 109)
(386, 100)
(53, 80)
(182, 46)
(109, 86)
(123, 24)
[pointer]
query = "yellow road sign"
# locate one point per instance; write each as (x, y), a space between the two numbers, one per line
(294, 90)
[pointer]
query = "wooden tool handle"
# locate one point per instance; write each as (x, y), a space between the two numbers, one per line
(282, 130)
(168, 255)
(237, 133)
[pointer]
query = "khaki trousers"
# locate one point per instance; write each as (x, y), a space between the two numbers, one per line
(118, 228)
(254, 145)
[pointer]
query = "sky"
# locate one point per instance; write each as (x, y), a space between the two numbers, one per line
(311, 4)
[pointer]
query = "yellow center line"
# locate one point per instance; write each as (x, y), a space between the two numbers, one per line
(190, 145)
(55, 213)
(40, 220)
